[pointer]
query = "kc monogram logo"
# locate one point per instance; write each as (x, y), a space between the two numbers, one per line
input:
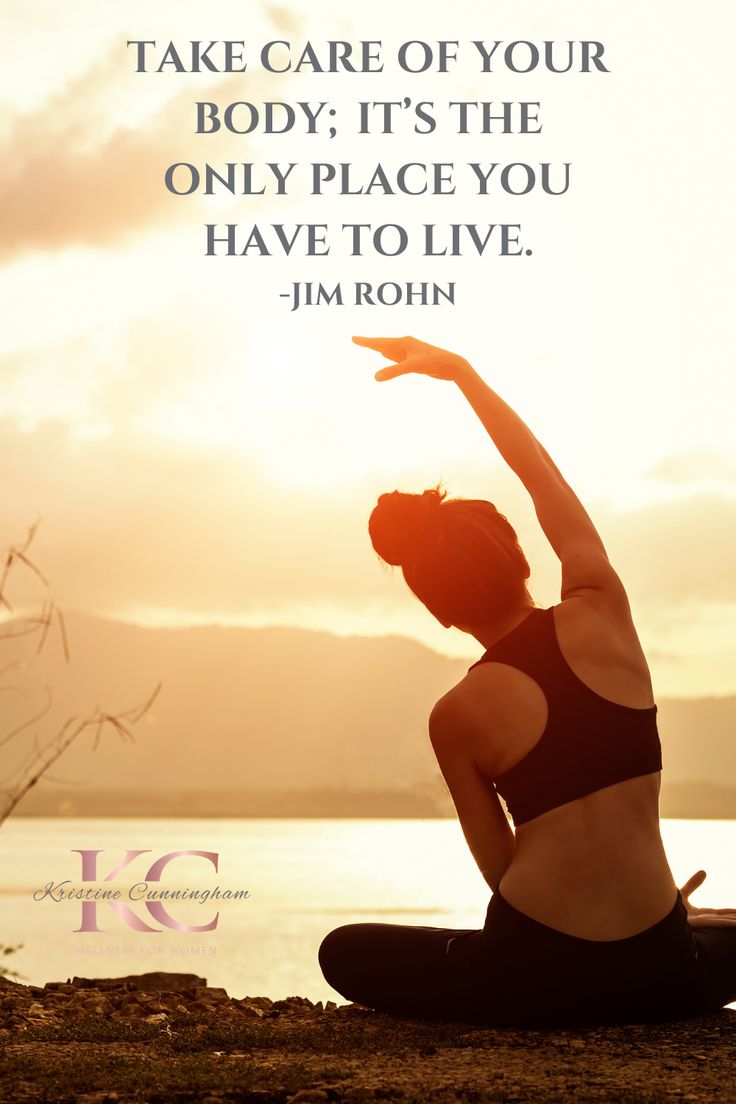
(155, 908)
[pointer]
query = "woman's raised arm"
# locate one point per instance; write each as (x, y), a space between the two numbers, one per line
(563, 518)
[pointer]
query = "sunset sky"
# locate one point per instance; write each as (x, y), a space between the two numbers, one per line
(197, 452)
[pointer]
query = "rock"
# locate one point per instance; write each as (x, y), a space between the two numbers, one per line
(308, 1096)
(162, 981)
(259, 1002)
(92, 998)
(132, 999)
(212, 995)
(6, 983)
(291, 1004)
(156, 980)
(129, 1012)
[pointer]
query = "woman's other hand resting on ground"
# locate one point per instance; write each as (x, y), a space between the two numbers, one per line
(705, 917)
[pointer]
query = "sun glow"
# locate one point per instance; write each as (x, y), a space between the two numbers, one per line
(159, 386)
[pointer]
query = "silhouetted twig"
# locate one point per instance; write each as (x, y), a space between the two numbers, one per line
(40, 757)
(72, 728)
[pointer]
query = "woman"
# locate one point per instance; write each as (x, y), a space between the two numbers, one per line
(586, 923)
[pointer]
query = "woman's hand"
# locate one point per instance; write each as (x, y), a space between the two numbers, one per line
(705, 917)
(412, 355)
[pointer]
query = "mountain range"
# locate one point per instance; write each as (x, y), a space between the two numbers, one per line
(281, 721)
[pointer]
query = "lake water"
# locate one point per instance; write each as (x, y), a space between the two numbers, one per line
(303, 877)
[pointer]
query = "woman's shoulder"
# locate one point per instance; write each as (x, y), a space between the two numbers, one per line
(600, 644)
(495, 706)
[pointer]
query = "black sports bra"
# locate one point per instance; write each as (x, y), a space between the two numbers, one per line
(588, 742)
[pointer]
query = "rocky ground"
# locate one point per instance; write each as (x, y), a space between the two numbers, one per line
(168, 1038)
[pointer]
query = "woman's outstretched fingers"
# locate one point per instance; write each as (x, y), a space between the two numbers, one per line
(395, 348)
(393, 370)
(412, 355)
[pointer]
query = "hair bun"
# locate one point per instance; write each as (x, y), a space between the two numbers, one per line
(399, 520)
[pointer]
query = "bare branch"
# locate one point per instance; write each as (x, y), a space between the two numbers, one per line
(31, 625)
(33, 529)
(62, 630)
(46, 622)
(134, 715)
(65, 781)
(31, 721)
(41, 757)
(20, 554)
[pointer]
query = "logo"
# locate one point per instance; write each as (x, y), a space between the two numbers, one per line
(144, 905)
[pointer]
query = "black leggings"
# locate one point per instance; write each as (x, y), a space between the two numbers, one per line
(518, 972)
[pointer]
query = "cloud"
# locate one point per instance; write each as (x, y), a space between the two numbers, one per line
(75, 173)
(128, 523)
(131, 522)
(679, 551)
(695, 466)
(113, 375)
(284, 19)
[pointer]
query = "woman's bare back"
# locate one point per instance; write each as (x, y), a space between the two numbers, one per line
(594, 867)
